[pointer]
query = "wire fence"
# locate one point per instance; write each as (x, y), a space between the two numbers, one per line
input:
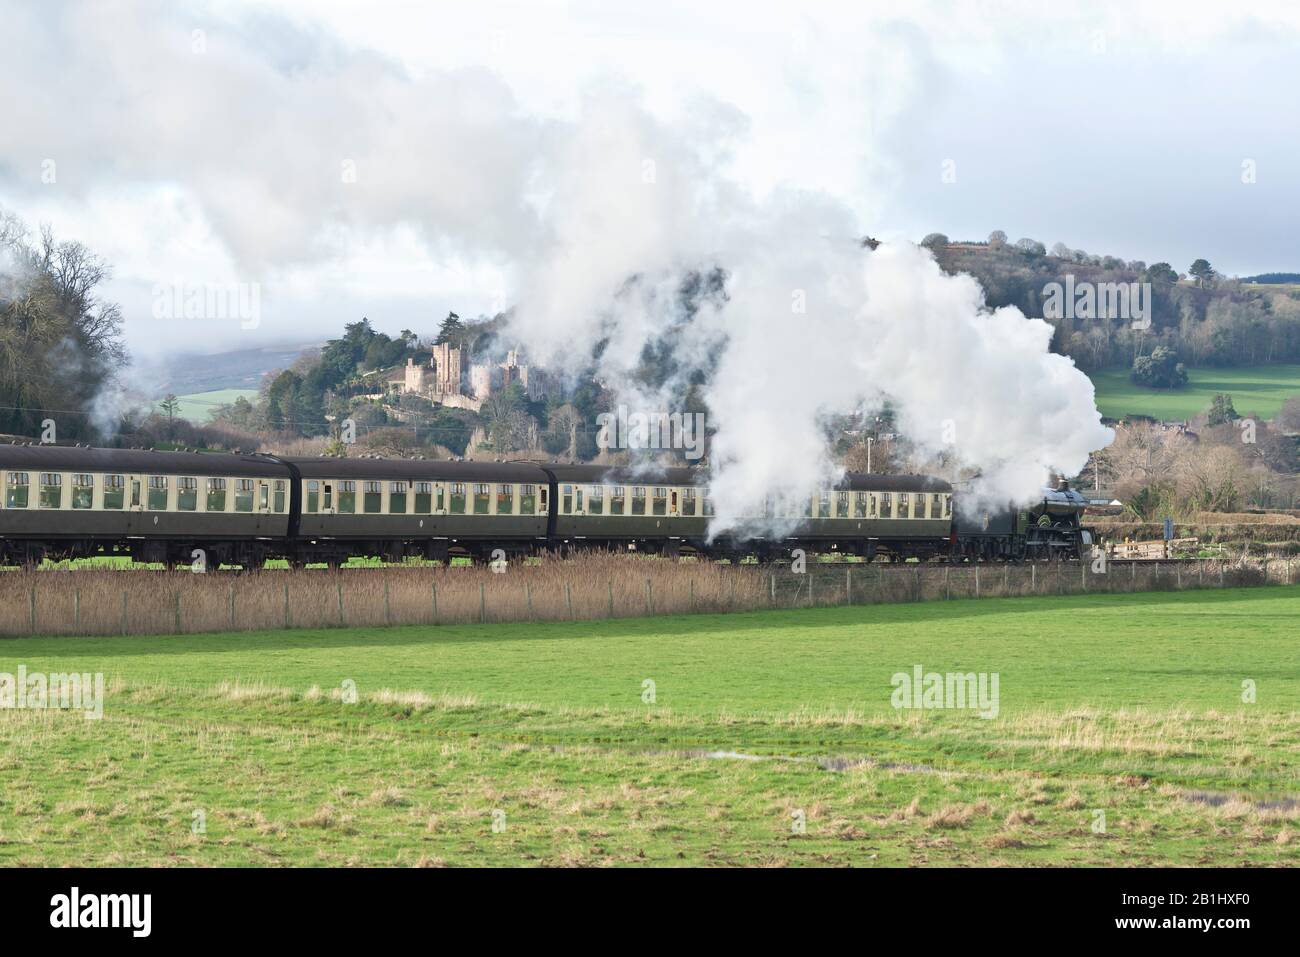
(155, 602)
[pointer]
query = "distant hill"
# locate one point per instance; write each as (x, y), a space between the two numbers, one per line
(192, 373)
(1271, 278)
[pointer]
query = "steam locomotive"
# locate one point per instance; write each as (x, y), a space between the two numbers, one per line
(243, 509)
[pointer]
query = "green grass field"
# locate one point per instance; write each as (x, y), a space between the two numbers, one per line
(198, 407)
(1260, 390)
(1121, 738)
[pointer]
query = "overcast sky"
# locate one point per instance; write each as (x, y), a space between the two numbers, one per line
(391, 159)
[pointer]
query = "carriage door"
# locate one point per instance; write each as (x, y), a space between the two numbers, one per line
(327, 498)
(136, 500)
(263, 497)
(672, 501)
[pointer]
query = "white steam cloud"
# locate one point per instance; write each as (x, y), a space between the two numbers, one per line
(811, 324)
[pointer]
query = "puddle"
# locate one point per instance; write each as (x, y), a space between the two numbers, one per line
(826, 764)
(1218, 799)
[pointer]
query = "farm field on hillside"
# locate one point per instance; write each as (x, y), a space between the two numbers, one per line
(198, 407)
(1260, 390)
(765, 738)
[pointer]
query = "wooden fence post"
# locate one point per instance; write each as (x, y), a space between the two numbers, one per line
(528, 599)
(482, 603)
(286, 603)
(609, 587)
(848, 586)
(947, 583)
(124, 600)
(568, 598)
(1033, 579)
(977, 580)
(177, 599)
(649, 598)
(76, 609)
(232, 606)
(433, 591)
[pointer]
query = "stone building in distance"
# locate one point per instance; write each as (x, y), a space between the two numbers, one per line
(445, 381)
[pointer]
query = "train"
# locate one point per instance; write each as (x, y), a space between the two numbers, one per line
(242, 509)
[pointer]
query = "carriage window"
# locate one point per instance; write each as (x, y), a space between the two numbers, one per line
(886, 505)
(808, 508)
(904, 504)
(638, 501)
(823, 504)
(279, 495)
(396, 498)
(114, 486)
(187, 494)
(423, 497)
(347, 498)
(243, 495)
(83, 490)
(372, 498)
(482, 498)
(157, 493)
(17, 493)
(688, 502)
(457, 498)
(936, 506)
(216, 493)
(505, 499)
(842, 505)
(861, 504)
(51, 489)
(313, 491)
(708, 505)
(527, 499)
(659, 503)
(566, 499)
(617, 500)
(595, 500)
